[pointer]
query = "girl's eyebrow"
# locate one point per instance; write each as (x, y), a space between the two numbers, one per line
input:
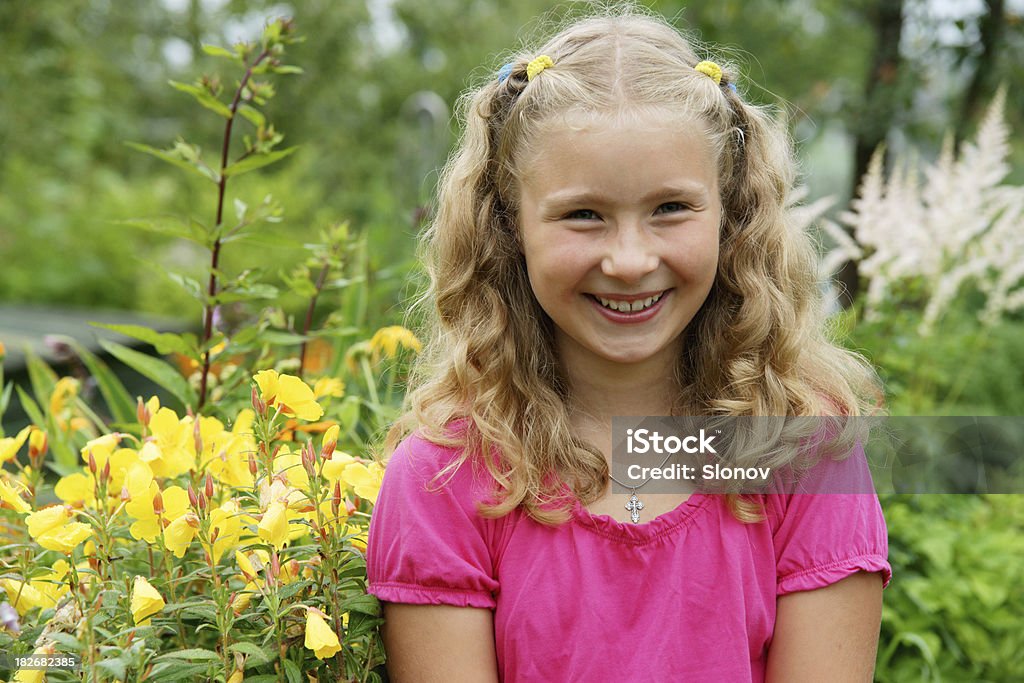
(694, 192)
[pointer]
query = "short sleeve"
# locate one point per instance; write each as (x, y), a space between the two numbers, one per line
(428, 545)
(821, 538)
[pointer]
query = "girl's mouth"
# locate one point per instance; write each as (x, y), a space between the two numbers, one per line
(633, 309)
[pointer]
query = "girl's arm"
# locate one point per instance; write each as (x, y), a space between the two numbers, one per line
(427, 643)
(828, 634)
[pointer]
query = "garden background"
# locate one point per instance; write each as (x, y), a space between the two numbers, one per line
(315, 281)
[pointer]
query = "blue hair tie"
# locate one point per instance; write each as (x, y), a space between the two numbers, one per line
(732, 86)
(504, 72)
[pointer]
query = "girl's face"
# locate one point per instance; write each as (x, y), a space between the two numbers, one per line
(619, 221)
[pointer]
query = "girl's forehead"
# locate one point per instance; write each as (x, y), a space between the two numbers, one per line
(578, 126)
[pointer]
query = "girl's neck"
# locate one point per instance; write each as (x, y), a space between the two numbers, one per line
(602, 390)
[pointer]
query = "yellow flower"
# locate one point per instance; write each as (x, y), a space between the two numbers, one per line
(167, 450)
(329, 386)
(35, 675)
(147, 526)
(65, 390)
(66, 538)
(11, 496)
(10, 445)
(290, 464)
(226, 521)
(290, 394)
(273, 527)
(179, 533)
(365, 481)
(335, 466)
(387, 340)
(77, 488)
(37, 441)
(40, 591)
(320, 638)
(231, 464)
(101, 448)
(146, 601)
(46, 519)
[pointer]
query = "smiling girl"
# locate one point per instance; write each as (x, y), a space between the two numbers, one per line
(612, 239)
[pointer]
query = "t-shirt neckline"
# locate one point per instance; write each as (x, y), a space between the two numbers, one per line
(644, 532)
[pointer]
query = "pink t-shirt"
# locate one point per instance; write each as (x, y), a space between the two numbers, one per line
(689, 595)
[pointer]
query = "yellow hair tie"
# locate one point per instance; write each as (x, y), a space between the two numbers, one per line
(537, 65)
(712, 70)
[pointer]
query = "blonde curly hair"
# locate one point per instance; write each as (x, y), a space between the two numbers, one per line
(489, 381)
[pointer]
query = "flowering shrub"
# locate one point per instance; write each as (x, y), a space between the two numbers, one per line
(216, 533)
(195, 550)
(927, 243)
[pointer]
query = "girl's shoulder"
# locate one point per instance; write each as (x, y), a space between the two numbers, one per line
(440, 463)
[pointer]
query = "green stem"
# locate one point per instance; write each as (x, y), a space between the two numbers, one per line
(211, 290)
(371, 383)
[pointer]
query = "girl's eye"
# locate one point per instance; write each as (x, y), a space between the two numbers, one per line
(671, 207)
(581, 214)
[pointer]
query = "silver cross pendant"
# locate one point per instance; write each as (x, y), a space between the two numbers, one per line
(634, 506)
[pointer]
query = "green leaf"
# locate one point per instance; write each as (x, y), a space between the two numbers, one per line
(292, 670)
(253, 115)
(42, 376)
(115, 667)
(5, 399)
(252, 162)
(155, 369)
(193, 231)
(177, 671)
(250, 293)
(203, 97)
(119, 401)
(217, 51)
(193, 653)
(287, 69)
(255, 655)
(164, 342)
(366, 604)
(189, 285)
(31, 408)
(200, 170)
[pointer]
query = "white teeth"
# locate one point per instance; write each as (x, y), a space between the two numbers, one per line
(627, 307)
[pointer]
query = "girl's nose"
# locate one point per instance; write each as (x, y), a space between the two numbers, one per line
(630, 257)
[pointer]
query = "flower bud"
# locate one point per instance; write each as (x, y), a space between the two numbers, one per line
(92, 463)
(330, 442)
(208, 488)
(201, 502)
(142, 412)
(214, 535)
(105, 474)
(197, 437)
(125, 494)
(252, 465)
(350, 507)
(37, 445)
(258, 405)
(158, 504)
(192, 499)
(307, 460)
(275, 565)
(336, 499)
